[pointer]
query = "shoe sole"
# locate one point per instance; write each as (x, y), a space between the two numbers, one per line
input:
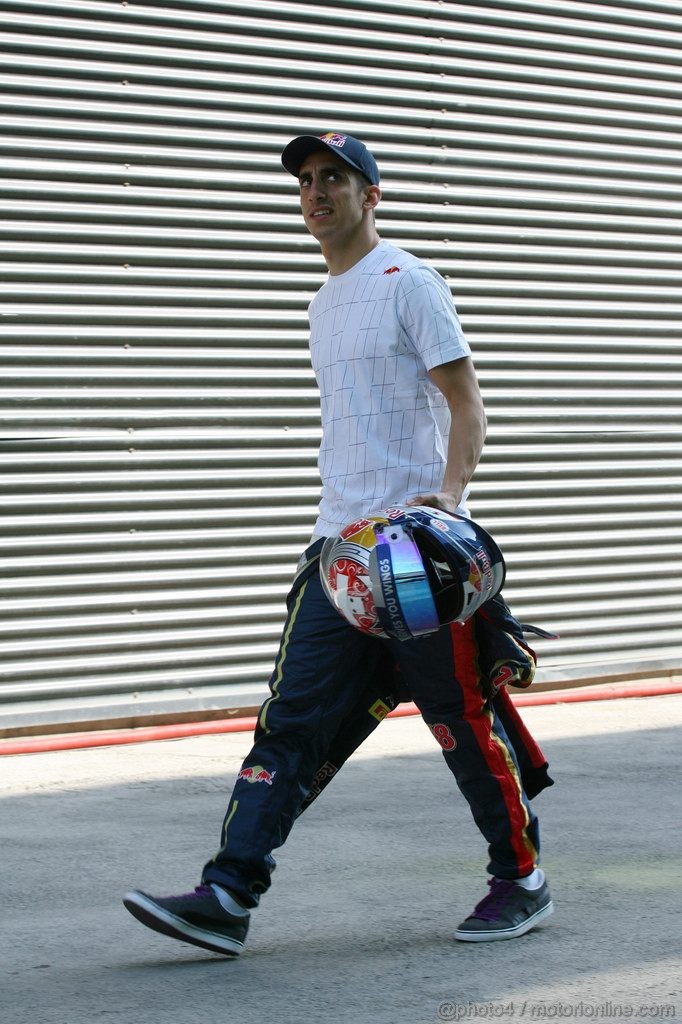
(497, 934)
(160, 920)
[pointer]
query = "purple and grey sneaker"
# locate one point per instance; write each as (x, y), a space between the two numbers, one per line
(197, 917)
(507, 911)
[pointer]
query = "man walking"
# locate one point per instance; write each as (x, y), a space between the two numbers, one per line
(403, 423)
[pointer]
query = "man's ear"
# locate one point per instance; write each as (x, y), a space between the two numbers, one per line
(372, 198)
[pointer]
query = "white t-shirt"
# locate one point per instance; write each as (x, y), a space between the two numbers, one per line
(374, 333)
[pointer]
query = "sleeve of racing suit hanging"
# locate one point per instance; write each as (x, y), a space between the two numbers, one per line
(506, 659)
(532, 763)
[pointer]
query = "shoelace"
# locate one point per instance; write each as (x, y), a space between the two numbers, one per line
(489, 907)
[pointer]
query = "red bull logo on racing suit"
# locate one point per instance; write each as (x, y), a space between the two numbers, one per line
(256, 773)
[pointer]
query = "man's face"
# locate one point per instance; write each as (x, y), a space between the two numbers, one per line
(332, 197)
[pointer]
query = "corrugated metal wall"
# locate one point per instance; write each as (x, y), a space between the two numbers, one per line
(159, 414)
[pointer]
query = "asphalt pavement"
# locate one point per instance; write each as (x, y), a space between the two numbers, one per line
(373, 880)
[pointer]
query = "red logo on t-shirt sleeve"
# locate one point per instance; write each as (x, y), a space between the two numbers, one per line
(392, 270)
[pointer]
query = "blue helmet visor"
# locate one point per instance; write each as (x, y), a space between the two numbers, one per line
(402, 593)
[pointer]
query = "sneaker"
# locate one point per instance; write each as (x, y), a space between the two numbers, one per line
(197, 917)
(507, 911)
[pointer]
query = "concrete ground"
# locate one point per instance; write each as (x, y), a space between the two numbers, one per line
(369, 887)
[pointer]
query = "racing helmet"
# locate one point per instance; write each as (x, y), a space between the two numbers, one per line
(406, 571)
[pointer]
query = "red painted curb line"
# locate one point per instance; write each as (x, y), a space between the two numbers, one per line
(146, 734)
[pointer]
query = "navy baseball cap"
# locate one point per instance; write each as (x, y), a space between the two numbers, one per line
(349, 149)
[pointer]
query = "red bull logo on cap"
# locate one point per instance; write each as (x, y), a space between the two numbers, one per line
(256, 773)
(334, 139)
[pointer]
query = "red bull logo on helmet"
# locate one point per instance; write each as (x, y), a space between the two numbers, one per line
(256, 773)
(480, 582)
(357, 527)
(475, 578)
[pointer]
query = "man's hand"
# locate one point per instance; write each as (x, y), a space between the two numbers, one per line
(441, 500)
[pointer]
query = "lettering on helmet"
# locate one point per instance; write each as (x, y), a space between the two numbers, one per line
(391, 603)
(484, 561)
(485, 568)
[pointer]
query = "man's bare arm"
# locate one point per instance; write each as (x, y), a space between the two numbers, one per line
(458, 383)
